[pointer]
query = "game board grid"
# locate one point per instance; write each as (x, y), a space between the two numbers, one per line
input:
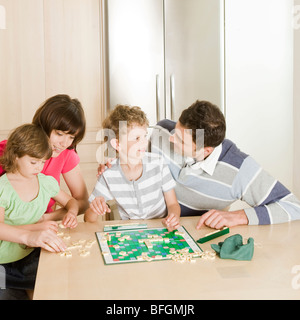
(134, 249)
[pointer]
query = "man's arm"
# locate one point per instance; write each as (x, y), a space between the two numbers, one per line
(270, 202)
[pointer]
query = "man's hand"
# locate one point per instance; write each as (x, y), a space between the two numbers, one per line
(101, 167)
(218, 219)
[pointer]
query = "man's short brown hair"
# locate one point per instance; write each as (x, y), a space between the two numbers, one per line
(207, 116)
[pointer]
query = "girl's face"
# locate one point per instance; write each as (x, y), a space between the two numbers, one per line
(134, 144)
(60, 141)
(29, 167)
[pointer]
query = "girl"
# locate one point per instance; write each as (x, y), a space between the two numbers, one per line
(24, 196)
(140, 182)
(63, 120)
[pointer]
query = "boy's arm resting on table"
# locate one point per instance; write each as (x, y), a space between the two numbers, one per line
(46, 239)
(98, 198)
(173, 207)
(97, 207)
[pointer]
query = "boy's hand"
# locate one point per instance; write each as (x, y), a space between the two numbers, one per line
(99, 206)
(70, 220)
(171, 222)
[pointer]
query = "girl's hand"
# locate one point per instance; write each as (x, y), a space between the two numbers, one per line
(99, 206)
(171, 222)
(46, 225)
(70, 220)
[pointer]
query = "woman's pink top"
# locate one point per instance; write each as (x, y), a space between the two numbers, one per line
(65, 162)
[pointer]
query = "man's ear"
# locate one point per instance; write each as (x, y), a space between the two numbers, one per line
(208, 151)
(115, 144)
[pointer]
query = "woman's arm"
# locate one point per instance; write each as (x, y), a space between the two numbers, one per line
(46, 239)
(77, 187)
(72, 207)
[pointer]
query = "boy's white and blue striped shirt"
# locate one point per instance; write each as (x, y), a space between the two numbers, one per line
(140, 199)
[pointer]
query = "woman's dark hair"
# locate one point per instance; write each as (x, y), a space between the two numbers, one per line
(60, 112)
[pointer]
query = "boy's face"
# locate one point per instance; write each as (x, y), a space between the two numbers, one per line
(133, 145)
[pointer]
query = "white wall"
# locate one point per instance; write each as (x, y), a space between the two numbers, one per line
(297, 98)
(259, 82)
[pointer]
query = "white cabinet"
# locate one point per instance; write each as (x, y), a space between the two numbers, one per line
(165, 54)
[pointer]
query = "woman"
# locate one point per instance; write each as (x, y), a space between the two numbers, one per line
(63, 120)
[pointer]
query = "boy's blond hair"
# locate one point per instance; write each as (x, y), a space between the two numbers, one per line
(132, 115)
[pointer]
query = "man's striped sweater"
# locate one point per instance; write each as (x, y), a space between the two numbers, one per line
(236, 177)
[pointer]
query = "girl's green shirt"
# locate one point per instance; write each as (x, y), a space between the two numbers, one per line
(19, 212)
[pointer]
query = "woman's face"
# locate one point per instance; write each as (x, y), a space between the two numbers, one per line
(60, 141)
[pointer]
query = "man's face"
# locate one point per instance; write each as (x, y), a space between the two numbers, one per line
(184, 144)
(183, 141)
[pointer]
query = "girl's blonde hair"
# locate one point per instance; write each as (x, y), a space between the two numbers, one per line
(27, 139)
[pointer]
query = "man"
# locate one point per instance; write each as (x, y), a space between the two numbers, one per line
(214, 175)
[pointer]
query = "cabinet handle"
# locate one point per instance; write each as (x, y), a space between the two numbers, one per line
(157, 99)
(172, 96)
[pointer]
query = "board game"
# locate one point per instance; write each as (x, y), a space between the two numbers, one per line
(149, 244)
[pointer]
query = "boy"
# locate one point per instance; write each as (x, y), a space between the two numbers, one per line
(140, 182)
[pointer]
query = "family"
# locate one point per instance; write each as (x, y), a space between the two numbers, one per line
(174, 173)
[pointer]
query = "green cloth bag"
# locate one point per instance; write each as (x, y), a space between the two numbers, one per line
(233, 248)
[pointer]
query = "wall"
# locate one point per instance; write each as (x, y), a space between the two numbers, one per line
(297, 97)
(259, 82)
(51, 47)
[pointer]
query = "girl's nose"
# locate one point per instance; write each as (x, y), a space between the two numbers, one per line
(40, 166)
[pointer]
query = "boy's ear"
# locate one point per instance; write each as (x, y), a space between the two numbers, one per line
(115, 144)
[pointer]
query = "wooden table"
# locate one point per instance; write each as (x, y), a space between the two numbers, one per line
(273, 272)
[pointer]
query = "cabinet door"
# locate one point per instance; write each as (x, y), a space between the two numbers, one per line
(135, 44)
(22, 75)
(193, 53)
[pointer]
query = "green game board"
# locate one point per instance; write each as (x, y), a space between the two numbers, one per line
(128, 246)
